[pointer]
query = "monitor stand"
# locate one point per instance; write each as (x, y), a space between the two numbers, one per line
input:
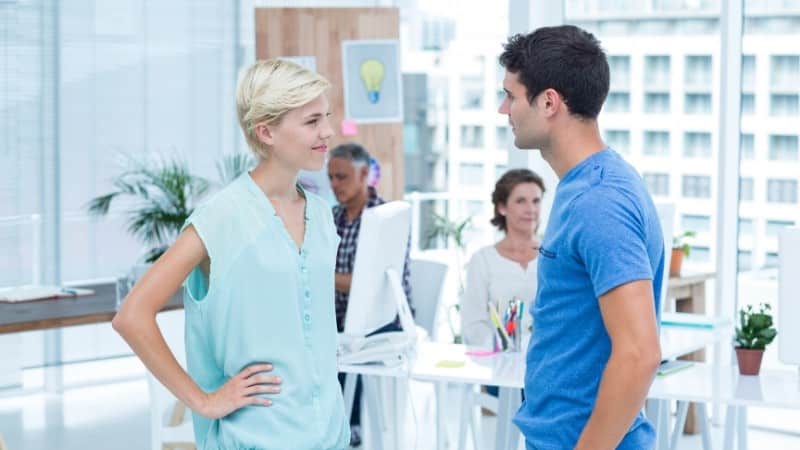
(390, 348)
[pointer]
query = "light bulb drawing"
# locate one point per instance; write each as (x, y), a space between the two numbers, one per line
(372, 72)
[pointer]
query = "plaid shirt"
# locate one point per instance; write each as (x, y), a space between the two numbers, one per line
(346, 256)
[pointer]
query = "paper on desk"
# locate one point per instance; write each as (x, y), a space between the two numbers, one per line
(30, 293)
(449, 364)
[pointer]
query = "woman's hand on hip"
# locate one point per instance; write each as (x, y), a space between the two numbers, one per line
(244, 389)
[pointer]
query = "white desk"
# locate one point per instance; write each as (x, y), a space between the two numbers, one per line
(705, 383)
(505, 370)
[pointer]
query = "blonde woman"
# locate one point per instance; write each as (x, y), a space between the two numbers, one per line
(258, 264)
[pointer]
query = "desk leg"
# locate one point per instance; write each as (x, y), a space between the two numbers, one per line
(53, 357)
(441, 439)
(400, 388)
(501, 430)
(706, 432)
(695, 303)
(349, 393)
(680, 421)
(507, 436)
(475, 416)
(373, 411)
(730, 427)
(662, 430)
(467, 406)
(741, 423)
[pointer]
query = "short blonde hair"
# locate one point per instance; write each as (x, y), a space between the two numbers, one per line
(268, 90)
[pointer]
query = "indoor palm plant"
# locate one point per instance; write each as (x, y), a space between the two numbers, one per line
(680, 249)
(164, 193)
(754, 332)
(449, 230)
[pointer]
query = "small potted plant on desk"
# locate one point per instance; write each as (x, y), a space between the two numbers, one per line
(680, 248)
(754, 333)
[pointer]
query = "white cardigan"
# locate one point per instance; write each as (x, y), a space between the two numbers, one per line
(491, 276)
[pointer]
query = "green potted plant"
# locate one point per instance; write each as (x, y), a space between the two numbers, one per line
(164, 193)
(680, 249)
(754, 332)
(450, 230)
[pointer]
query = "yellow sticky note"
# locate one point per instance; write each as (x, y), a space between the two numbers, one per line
(448, 364)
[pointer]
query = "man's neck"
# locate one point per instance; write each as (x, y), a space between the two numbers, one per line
(572, 145)
(356, 205)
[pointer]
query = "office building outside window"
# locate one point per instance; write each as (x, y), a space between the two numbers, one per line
(696, 186)
(781, 191)
(657, 183)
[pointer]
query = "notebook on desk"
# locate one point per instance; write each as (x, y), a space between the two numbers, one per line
(31, 293)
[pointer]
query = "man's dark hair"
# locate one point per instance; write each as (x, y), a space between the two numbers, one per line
(353, 152)
(565, 58)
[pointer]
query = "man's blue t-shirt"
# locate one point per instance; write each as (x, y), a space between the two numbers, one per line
(603, 232)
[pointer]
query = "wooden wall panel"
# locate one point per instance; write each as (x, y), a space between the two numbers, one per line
(319, 32)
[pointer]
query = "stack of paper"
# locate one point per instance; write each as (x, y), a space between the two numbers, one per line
(31, 293)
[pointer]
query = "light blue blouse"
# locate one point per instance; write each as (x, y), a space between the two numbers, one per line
(265, 300)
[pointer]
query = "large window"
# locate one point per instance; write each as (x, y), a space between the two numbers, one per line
(769, 146)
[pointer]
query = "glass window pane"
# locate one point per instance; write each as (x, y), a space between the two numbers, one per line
(696, 186)
(619, 140)
(746, 189)
(656, 143)
(697, 144)
(783, 148)
(471, 174)
(471, 136)
(696, 223)
(747, 142)
(781, 191)
(618, 102)
(657, 183)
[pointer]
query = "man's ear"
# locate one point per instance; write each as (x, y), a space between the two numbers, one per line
(265, 134)
(551, 101)
(363, 172)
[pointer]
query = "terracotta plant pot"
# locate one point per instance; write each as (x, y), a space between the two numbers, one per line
(675, 262)
(749, 360)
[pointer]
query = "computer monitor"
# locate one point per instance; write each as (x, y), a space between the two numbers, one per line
(788, 311)
(376, 292)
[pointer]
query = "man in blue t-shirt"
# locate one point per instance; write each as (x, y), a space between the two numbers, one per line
(595, 348)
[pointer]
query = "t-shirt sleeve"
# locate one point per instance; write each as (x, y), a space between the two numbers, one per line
(197, 283)
(608, 235)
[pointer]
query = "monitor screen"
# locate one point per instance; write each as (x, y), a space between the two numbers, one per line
(382, 243)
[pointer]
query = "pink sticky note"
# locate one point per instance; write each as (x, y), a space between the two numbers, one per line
(349, 128)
